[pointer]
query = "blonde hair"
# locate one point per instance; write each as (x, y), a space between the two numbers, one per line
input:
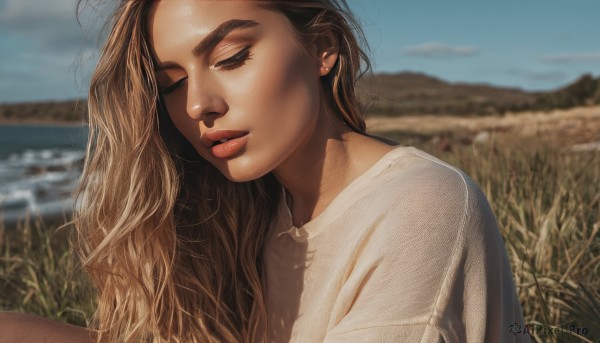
(172, 246)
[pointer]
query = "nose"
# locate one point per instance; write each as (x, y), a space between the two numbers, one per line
(204, 102)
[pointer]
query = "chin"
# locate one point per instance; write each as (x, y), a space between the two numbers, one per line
(241, 179)
(241, 174)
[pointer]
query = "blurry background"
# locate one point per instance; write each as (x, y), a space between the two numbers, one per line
(533, 45)
(508, 91)
(435, 57)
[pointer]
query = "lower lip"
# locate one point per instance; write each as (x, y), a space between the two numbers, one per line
(229, 148)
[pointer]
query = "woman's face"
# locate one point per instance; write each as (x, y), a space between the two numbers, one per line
(255, 79)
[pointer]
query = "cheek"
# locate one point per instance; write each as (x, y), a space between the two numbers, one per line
(177, 108)
(281, 90)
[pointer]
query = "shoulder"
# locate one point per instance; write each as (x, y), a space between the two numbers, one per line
(421, 196)
(434, 244)
(429, 215)
(20, 327)
(420, 212)
(412, 174)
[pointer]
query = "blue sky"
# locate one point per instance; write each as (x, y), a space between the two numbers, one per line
(528, 44)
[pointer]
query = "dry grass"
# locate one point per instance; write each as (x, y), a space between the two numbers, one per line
(577, 125)
(40, 275)
(547, 203)
(546, 199)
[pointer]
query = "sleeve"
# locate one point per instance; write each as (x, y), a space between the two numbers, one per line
(440, 275)
(387, 334)
(478, 300)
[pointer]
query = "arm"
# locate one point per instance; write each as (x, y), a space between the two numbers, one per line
(436, 271)
(480, 301)
(25, 328)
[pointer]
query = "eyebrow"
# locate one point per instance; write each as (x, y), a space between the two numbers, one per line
(213, 38)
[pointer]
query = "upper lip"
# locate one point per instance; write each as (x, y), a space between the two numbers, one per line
(209, 138)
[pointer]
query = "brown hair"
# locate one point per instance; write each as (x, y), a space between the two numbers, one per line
(172, 246)
(310, 19)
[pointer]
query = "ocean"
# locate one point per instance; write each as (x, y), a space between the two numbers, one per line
(40, 166)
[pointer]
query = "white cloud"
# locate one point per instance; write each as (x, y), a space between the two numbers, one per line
(16, 9)
(48, 25)
(573, 57)
(439, 50)
(45, 53)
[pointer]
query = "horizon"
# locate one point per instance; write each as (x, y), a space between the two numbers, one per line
(510, 45)
(392, 73)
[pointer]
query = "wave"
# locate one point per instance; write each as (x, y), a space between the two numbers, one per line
(39, 182)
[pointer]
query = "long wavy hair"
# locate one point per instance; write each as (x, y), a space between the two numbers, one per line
(172, 246)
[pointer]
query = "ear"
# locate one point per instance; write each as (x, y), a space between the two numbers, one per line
(327, 52)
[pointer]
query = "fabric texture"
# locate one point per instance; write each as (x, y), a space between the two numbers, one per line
(408, 252)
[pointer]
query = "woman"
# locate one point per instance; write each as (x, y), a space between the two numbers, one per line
(231, 193)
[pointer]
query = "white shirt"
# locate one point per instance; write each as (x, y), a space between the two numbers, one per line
(408, 252)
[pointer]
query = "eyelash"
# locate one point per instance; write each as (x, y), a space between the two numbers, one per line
(236, 60)
(231, 63)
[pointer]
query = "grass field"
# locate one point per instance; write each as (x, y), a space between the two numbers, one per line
(541, 174)
(39, 274)
(545, 194)
(547, 203)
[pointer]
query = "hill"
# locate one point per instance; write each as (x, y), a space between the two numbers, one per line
(387, 95)
(414, 93)
(70, 111)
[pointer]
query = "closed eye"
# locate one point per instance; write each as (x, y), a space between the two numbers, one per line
(231, 63)
(235, 61)
(174, 86)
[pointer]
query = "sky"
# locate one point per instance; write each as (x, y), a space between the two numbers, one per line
(527, 44)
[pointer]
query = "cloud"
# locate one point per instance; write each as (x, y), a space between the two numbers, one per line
(439, 50)
(45, 53)
(50, 26)
(35, 9)
(572, 57)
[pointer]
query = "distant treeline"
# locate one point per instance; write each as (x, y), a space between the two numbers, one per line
(413, 93)
(385, 95)
(73, 111)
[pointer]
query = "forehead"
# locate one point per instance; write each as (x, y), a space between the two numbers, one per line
(173, 21)
(205, 9)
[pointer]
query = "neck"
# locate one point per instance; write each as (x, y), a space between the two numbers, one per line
(318, 170)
